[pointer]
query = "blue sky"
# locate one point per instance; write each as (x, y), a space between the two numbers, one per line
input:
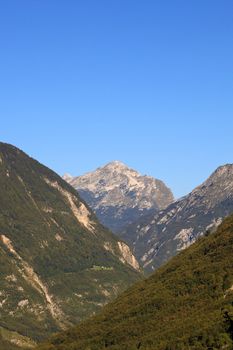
(147, 82)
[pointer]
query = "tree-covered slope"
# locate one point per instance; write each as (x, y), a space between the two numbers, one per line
(58, 265)
(186, 304)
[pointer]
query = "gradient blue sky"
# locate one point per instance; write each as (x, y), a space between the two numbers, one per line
(146, 82)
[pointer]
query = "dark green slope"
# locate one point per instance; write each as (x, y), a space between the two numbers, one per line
(58, 265)
(186, 304)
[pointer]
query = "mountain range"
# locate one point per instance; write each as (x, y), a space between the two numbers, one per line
(120, 195)
(142, 211)
(186, 304)
(159, 236)
(58, 264)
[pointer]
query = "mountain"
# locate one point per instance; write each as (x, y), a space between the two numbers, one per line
(120, 195)
(159, 236)
(58, 264)
(186, 304)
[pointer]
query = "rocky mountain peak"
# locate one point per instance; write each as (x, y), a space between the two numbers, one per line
(115, 164)
(119, 194)
(218, 185)
(222, 172)
(114, 168)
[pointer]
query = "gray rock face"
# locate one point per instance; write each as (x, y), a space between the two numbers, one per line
(161, 235)
(120, 195)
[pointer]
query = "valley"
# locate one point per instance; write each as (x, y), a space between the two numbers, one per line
(60, 266)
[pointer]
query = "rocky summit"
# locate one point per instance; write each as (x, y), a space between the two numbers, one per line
(158, 237)
(58, 264)
(120, 195)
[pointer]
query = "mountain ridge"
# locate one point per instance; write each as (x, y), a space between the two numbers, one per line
(58, 264)
(159, 236)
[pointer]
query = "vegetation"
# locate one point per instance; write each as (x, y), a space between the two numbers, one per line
(13, 341)
(186, 304)
(39, 222)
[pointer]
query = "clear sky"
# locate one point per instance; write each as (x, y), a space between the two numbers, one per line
(147, 82)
